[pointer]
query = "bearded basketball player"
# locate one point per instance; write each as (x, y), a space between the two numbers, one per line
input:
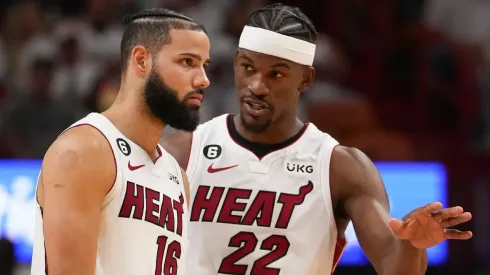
(111, 201)
(272, 195)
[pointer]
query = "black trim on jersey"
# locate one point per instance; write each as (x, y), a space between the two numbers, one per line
(260, 149)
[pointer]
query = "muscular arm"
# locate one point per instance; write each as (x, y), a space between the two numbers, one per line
(362, 198)
(78, 171)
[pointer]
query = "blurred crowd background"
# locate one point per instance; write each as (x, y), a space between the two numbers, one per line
(402, 80)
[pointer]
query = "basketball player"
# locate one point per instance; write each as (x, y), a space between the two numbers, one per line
(272, 195)
(111, 201)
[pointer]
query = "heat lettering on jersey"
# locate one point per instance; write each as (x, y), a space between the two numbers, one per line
(260, 212)
(142, 203)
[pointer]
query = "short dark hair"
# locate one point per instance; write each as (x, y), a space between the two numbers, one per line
(286, 20)
(150, 28)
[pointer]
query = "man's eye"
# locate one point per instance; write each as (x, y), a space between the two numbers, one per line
(187, 62)
(277, 75)
(246, 67)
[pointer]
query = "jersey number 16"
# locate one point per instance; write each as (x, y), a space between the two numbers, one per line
(170, 265)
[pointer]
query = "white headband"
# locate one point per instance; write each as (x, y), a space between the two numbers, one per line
(275, 44)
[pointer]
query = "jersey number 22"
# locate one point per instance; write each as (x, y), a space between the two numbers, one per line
(246, 242)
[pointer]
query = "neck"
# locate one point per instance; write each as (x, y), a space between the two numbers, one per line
(279, 131)
(135, 121)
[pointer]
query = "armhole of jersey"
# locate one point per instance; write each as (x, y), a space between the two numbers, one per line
(116, 186)
(193, 155)
(325, 164)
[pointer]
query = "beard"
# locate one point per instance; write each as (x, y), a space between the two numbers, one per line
(163, 103)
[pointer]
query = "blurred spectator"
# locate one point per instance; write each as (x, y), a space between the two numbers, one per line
(468, 23)
(34, 120)
(100, 33)
(346, 114)
(105, 90)
(26, 35)
(74, 75)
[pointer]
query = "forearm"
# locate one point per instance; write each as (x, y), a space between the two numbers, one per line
(405, 259)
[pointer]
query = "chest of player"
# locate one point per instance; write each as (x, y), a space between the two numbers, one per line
(233, 186)
(152, 192)
(161, 176)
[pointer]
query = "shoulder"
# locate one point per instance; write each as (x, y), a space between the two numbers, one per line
(83, 139)
(351, 165)
(81, 154)
(352, 173)
(350, 158)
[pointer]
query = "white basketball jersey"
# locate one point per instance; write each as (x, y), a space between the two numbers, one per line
(268, 216)
(144, 216)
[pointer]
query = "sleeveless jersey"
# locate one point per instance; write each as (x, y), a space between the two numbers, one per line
(143, 227)
(268, 216)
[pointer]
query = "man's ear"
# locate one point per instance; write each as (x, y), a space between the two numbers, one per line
(309, 74)
(140, 61)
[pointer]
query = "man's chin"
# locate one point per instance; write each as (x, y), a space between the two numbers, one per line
(186, 128)
(189, 125)
(192, 107)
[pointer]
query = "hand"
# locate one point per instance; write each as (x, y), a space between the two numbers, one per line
(426, 226)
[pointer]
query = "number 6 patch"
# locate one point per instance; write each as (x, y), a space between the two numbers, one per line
(123, 146)
(212, 151)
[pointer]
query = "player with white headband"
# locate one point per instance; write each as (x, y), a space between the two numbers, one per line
(272, 195)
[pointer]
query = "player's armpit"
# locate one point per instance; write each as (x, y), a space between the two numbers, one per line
(78, 171)
(179, 146)
(364, 201)
(186, 187)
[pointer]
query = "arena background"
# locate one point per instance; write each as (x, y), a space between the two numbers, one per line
(406, 81)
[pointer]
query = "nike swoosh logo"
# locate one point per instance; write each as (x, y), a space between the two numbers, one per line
(132, 168)
(215, 170)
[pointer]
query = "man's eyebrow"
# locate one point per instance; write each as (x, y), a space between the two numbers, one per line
(282, 64)
(244, 56)
(196, 56)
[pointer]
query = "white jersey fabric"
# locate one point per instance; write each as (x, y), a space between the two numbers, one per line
(269, 216)
(143, 228)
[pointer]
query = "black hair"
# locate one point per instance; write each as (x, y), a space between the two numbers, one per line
(286, 20)
(150, 28)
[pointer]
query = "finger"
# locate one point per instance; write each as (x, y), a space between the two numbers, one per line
(447, 213)
(453, 221)
(396, 225)
(455, 234)
(432, 207)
